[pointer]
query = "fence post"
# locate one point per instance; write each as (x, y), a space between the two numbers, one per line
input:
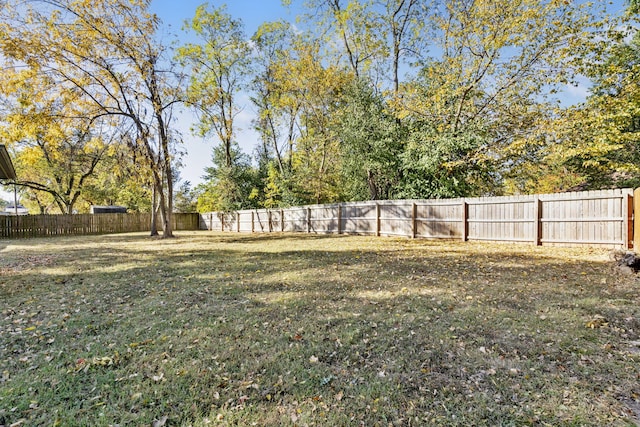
(237, 222)
(269, 219)
(414, 209)
(377, 219)
(339, 219)
(253, 225)
(537, 218)
(465, 220)
(308, 220)
(628, 221)
(636, 219)
(282, 226)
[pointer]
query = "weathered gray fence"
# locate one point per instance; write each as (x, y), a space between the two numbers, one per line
(22, 226)
(593, 218)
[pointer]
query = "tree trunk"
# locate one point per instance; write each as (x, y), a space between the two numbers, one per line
(167, 208)
(166, 201)
(154, 210)
(373, 189)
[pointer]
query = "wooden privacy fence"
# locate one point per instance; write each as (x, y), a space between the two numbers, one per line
(22, 226)
(593, 218)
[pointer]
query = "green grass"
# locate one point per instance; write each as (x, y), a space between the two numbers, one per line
(228, 329)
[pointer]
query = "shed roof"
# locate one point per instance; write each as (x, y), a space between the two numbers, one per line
(6, 167)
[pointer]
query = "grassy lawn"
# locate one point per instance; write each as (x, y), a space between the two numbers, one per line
(228, 329)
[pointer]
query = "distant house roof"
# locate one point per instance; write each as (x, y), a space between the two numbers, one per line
(11, 210)
(6, 167)
(107, 209)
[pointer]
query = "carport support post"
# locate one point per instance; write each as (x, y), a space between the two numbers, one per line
(15, 198)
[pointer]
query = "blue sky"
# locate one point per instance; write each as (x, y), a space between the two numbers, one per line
(252, 12)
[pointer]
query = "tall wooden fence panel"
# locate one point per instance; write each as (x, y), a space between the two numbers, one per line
(505, 218)
(262, 221)
(593, 218)
(358, 218)
(295, 219)
(324, 219)
(440, 219)
(22, 226)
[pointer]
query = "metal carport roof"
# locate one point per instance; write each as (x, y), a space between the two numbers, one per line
(6, 167)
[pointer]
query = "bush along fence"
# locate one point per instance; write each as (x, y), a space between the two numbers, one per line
(22, 226)
(592, 218)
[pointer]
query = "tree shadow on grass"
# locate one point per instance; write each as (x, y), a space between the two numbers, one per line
(270, 237)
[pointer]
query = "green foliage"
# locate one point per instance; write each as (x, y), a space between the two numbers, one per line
(445, 165)
(120, 181)
(227, 188)
(371, 141)
(186, 198)
(274, 97)
(282, 190)
(296, 95)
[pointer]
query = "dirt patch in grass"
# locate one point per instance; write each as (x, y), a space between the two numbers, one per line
(228, 329)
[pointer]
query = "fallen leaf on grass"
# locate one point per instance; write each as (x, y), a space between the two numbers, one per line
(160, 422)
(138, 344)
(597, 322)
(102, 361)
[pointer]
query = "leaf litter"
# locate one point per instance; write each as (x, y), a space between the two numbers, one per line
(313, 330)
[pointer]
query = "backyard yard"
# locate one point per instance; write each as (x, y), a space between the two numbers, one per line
(298, 329)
